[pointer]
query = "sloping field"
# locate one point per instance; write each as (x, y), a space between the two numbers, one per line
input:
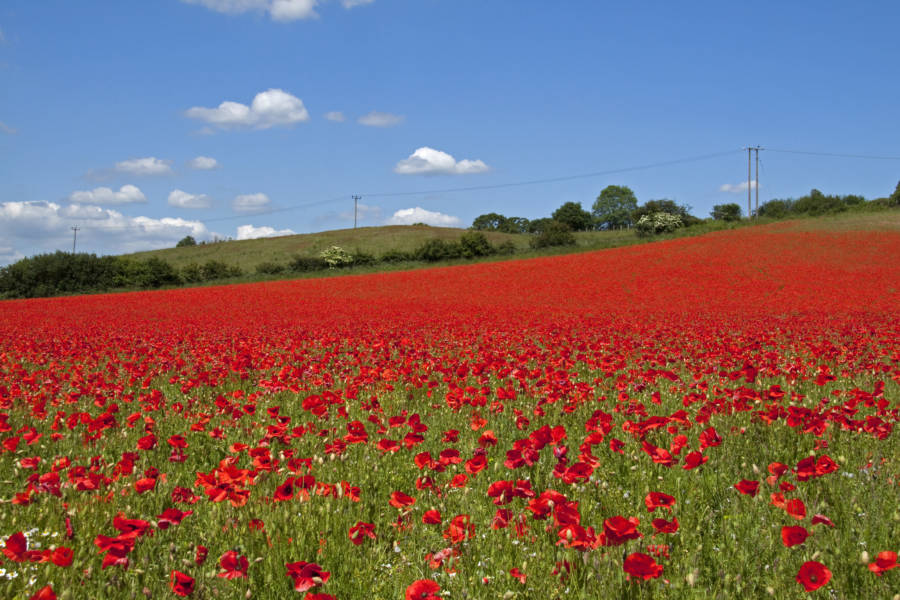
(695, 418)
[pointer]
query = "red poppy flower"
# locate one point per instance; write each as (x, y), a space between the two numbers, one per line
(311, 596)
(431, 517)
(401, 500)
(795, 508)
(234, 565)
(813, 575)
(200, 556)
(306, 575)
(819, 518)
(694, 460)
(517, 574)
(62, 556)
(45, 593)
(171, 516)
(792, 536)
(750, 488)
(656, 500)
(642, 565)
(617, 530)
(359, 532)
(663, 526)
(181, 584)
(423, 589)
(885, 561)
(16, 547)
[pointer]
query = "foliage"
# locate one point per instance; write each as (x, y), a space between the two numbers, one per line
(497, 222)
(726, 212)
(216, 269)
(813, 204)
(336, 257)
(666, 206)
(362, 258)
(270, 268)
(574, 216)
(555, 233)
(613, 207)
(437, 249)
(656, 223)
(473, 244)
(186, 241)
(306, 264)
(894, 198)
(538, 225)
(395, 256)
(776, 209)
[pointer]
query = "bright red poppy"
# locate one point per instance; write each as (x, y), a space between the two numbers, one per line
(359, 532)
(306, 575)
(885, 561)
(750, 488)
(813, 575)
(655, 500)
(423, 589)
(233, 565)
(792, 536)
(45, 593)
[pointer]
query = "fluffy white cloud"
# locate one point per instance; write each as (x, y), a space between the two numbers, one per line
(737, 187)
(29, 228)
(249, 232)
(380, 119)
(145, 166)
(335, 115)
(203, 163)
(271, 108)
(127, 194)
(409, 216)
(6, 128)
(181, 199)
(428, 161)
(279, 10)
(250, 202)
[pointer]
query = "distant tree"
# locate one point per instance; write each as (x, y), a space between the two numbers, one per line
(726, 212)
(817, 203)
(613, 207)
(514, 225)
(336, 257)
(776, 209)
(574, 216)
(187, 240)
(659, 222)
(894, 199)
(538, 225)
(488, 222)
(666, 206)
(554, 233)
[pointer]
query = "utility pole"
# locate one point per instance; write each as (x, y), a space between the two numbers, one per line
(74, 237)
(750, 150)
(356, 200)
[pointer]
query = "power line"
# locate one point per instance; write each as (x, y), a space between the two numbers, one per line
(834, 154)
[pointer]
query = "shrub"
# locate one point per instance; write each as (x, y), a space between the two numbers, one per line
(362, 258)
(656, 223)
(473, 244)
(506, 248)
(191, 273)
(726, 212)
(395, 256)
(215, 269)
(305, 264)
(270, 268)
(553, 233)
(186, 241)
(435, 249)
(336, 257)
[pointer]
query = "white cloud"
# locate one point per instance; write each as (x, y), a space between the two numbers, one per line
(203, 163)
(408, 216)
(279, 10)
(380, 119)
(271, 108)
(249, 232)
(181, 199)
(29, 228)
(737, 187)
(428, 161)
(250, 202)
(6, 128)
(335, 115)
(145, 166)
(127, 194)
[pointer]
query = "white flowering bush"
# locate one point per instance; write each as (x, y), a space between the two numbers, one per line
(335, 257)
(659, 222)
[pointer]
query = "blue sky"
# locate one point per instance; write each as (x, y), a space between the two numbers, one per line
(112, 116)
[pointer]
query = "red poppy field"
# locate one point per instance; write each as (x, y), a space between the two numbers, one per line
(704, 417)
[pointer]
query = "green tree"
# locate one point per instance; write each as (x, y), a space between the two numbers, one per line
(187, 240)
(488, 222)
(726, 212)
(613, 207)
(574, 216)
(894, 199)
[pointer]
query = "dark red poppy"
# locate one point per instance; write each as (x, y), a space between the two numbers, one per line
(618, 530)
(45, 593)
(431, 517)
(306, 575)
(359, 532)
(663, 526)
(200, 555)
(795, 508)
(745, 486)
(819, 518)
(62, 556)
(693, 460)
(813, 575)
(233, 565)
(655, 500)
(642, 566)
(171, 516)
(181, 583)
